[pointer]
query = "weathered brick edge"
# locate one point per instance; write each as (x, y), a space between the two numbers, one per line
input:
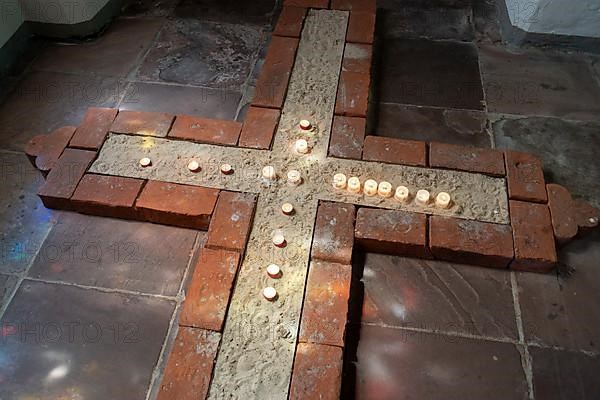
(189, 370)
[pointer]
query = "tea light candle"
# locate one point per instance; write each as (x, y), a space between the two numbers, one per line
(384, 189)
(339, 181)
(354, 185)
(145, 162)
(423, 197)
(279, 240)
(305, 125)
(442, 200)
(370, 188)
(270, 293)
(268, 172)
(593, 220)
(301, 146)
(287, 208)
(226, 169)
(294, 178)
(402, 194)
(194, 166)
(274, 271)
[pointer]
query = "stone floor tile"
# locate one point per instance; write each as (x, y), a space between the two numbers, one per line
(114, 53)
(440, 296)
(115, 254)
(203, 54)
(568, 150)
(535, 82)
(25, 221)
(65, 342)
(395, 364)
(45, 101)
(258, 12)
(148, 8)
(558, 311)
(7, 284)
(486, 21)
(564, 375)
(436, 23)
(201, 102)
(432, 73)
(444, 125)
(400, 4)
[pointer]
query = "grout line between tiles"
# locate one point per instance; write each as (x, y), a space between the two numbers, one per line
(104, 290)
(526, 357)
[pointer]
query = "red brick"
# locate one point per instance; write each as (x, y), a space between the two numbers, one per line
(317, 372)
(563, 220)
(353, 94)
(206, 130)
(271, 87)
(395, 151)
(333, 238)
(44, 150)
(325, 310)
(471, 242)
(108, 196)
(533, 238)
(471, 159)
(569, 216)
(290, 21)
(354, 5)
(231, 222)
(525, 177)
(175, 204)
(392, 232)
(189, 369)
(92, 131)
(142, 123)
(361, 27)
(210, 289)
(259, 127)
(357, 58)
(307, 3)
(64, 177)
(347, 137)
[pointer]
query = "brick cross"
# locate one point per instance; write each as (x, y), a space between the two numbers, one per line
(232, 342)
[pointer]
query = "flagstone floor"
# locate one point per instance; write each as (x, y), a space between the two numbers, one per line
(96, 297)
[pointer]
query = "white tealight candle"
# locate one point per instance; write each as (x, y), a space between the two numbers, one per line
(354, 185)
(268, 172)
(279, 240)
(384, 189)
(270, 293)
(274, 271)
(145, 162)
(226, 169)
(194, 166)
(339, 181)
(301, 146)
(593, 220)
(402, 194)
(287, 208)
(442, 200)
(305, 124)
(423, 197)
(370, 188)
(294, 178)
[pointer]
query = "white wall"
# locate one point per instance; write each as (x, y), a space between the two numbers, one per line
(10, 19)
(563, 17)
(61, 11)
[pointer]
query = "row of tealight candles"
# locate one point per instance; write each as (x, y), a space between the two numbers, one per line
(385, 189)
